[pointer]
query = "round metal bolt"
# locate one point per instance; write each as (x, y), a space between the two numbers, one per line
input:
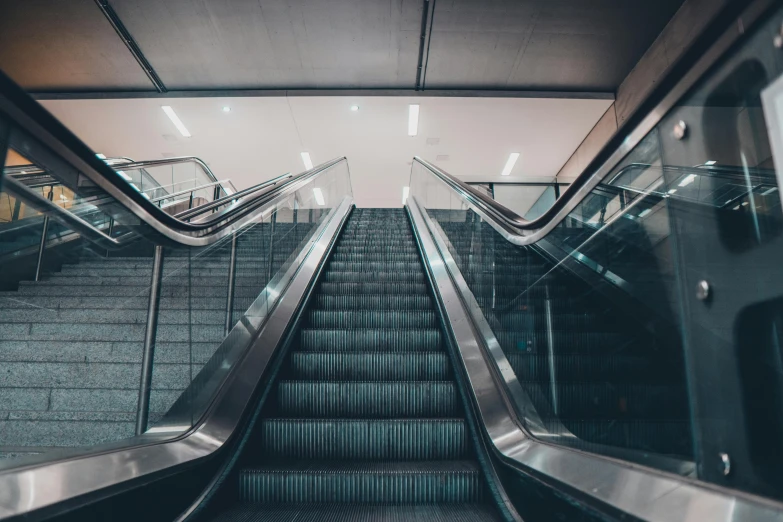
(777, 41)
(725, 464)
(703, 290)
(680, 130)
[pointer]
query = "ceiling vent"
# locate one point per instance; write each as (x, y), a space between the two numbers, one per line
(442, 157)
(433, 141)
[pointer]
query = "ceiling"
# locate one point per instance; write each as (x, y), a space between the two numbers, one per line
(262, 137)
(575, 46)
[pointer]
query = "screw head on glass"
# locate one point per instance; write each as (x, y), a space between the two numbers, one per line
(226, 109)
(680, 130)
(354, 108)
(725, 464)
(703, 290)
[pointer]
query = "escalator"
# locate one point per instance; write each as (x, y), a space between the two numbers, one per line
(275, 353)
(366, 421)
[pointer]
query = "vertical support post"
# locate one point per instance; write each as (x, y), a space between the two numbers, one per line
(216, 195)
(42, 244)
(271, 249)
(5, 131)
(557, 190)
(232, 267)
(190, 200)
(148, 355)
(17, 209)
(550, 346)
(111, 231)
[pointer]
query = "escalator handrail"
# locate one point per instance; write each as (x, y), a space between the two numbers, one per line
(521, 231)
(34, 120)
(257, 195)
(174, 161)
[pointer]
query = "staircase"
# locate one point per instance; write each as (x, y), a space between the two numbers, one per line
(71, 345)
(365, 421)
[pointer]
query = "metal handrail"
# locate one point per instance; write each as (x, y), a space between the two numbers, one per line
(173, 161)
(257, 195)
(185, 191)
(521, 231)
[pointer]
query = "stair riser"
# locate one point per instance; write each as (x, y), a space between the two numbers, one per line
(367, 400)
(364, 440)
(392, 488)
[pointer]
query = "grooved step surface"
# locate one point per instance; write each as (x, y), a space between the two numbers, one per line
(365, 439)
(397, 482)
(362, 366)
(357, 512)
(368, 399)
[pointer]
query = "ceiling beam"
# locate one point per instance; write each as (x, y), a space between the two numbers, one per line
(257, 93)
(122, 31)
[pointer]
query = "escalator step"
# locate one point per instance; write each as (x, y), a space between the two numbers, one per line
(360, 482)
(375, 339)
(376, 266)
(372, 319)
(376, 439)
(383, 400)
(372, 302)
(334, 366)
(358, 512)
(407, 276)
(354, 288)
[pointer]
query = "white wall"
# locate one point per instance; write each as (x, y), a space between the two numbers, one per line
(262, 136)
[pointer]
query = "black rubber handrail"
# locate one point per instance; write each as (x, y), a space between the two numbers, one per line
(29, 117)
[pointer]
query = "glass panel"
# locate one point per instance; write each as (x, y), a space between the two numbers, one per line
(72, 344)
(647, 325)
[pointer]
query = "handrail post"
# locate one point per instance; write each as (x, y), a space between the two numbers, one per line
(232, 267)
(148, 355)
(271, 248)
(111, 231)
(42, 244)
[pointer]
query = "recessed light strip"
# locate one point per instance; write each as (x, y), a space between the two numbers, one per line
(512, 160)
(176, 121)
(308, 163)
(319, 196)
(413, 119)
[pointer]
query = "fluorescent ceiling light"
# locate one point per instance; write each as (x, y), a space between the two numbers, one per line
(226, 109)
(405, 192)
(25, 172)
(306, 160)
(672, 191)
(123, 175)
(710, 163)
(176, 121)
(687, 180)
(319, 196)
(100, 156)
(413, 119)
(644, 212)
(736, 208)
(765, 193)
(354, 108)
(512, 160)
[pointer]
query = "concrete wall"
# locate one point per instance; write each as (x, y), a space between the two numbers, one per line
(679, 33)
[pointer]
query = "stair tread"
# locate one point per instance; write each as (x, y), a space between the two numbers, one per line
(332, 512)
(338, 467)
